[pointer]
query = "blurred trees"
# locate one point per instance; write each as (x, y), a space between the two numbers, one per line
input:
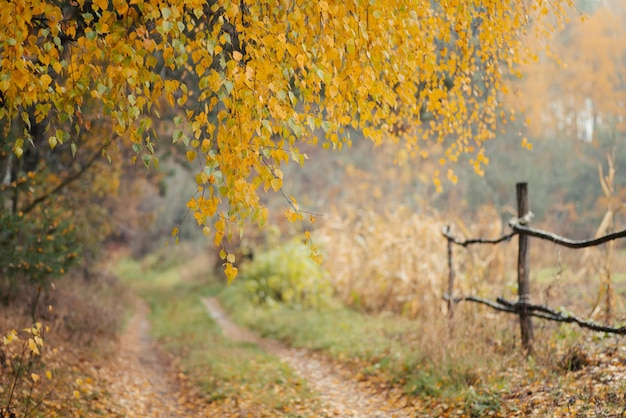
(577, 88)
(570, 105)
(59, 206)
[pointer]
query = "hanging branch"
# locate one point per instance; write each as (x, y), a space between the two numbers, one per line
(65, 182)
(464, 243)
(518, 228)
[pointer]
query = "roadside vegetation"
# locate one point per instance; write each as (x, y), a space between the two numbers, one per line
(224, 375)
(50, 367)
(468, 363)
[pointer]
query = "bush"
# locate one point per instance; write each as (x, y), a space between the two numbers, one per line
(34, 249)
(288, 275)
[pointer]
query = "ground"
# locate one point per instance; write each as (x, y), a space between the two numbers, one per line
(181, 355)
(143, 381)
(339, 394)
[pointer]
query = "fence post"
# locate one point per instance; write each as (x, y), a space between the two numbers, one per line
(523, 286)
(450, 280)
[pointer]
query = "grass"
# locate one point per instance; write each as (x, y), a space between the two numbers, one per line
(384, 346)
(471, 364)
(222, 369)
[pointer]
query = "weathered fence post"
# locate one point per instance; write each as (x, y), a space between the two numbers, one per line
(523, 285)
(450, 280)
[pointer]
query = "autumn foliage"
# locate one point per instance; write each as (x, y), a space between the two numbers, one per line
(248, 83)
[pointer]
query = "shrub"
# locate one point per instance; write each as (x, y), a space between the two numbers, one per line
(33, 251)
(286, 274)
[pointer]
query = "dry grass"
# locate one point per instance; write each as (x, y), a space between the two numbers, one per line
(79, 321)
(87, 312)
(385, 262)
(397, 261)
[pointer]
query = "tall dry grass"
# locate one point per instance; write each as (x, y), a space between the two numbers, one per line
(386, 261)
(397, 261)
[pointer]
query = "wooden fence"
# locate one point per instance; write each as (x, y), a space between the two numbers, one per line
(523, 308)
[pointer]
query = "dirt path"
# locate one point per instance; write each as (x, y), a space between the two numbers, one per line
(340, 396)
(139, 380)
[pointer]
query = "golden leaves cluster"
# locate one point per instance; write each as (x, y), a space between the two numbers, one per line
(253, 81)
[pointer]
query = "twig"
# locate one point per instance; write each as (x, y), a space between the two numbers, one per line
(282, 192)
(487, 302)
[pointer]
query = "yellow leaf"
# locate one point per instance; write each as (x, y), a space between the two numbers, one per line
(293, 216)
(219, 236)
(300, 59)
(35, 377)
(237, 56)
(121, 6)
(294, 202)
(191, 155)
(10, 337)
(276, 184)
(102, 4)
(45, 80)
(48, 374)
(57, 67)
(33, 346)
(230, 271)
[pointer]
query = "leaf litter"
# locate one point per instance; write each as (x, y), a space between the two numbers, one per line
(140, 378)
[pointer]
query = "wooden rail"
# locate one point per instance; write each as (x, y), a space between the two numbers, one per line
(523, 308)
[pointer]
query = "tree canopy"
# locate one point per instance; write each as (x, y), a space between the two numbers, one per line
(246, 83)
